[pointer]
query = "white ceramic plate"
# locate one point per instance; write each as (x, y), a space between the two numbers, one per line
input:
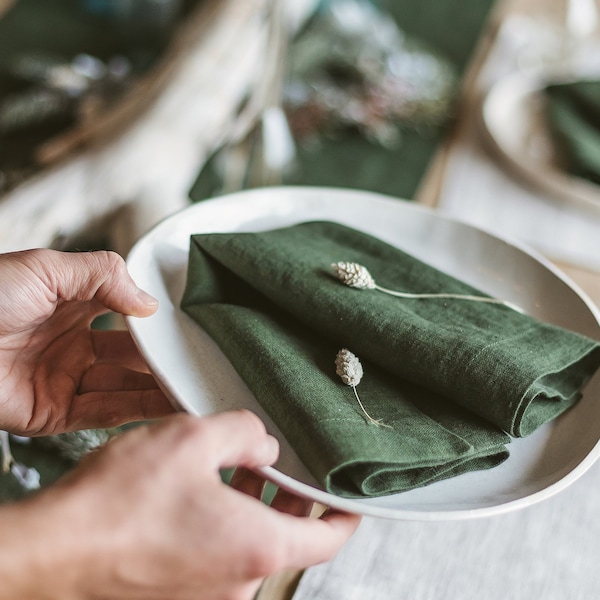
(512, 117)
(199, 379)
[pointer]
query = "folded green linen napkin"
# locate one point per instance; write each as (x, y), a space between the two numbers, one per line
(573, 116)
(448, 376)
(291, 372)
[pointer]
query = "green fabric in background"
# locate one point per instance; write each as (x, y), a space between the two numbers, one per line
(573, 116)
(65, 28)
(55, 28)
(354, 162)
(451, 28)
(271, 302)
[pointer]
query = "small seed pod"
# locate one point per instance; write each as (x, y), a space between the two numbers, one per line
(348, 367)
(350, 370)
(353, 275)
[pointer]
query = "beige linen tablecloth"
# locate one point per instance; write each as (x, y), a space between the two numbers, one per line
(549, 551)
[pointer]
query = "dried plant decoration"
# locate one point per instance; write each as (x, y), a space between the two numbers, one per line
(28, 477)
(350, 370)
(7, 457)
(357, 276)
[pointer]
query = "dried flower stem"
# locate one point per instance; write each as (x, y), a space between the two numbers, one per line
(356, 276)
(28, 477)
(350, 370)
(7, 457)
(369, 418)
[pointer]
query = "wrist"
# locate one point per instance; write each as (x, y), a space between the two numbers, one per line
(39, 556)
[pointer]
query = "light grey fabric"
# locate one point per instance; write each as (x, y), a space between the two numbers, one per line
(550, 551)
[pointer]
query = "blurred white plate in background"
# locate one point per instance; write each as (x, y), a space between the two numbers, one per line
(513, 119)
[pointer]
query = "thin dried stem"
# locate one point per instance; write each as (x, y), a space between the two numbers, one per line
(451, 296)
(377, 422)
(7, 457)
(349, 368)
(357, 276)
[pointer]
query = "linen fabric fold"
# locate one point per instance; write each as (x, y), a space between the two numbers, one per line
(573, 116)
(291, 372)
(447, 376)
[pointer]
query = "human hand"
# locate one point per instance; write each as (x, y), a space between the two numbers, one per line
(149, 517)
(56, 373)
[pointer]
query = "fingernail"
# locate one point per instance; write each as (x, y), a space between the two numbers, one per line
(272, 447)
(146, 298)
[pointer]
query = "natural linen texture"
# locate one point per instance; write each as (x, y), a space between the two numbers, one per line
(448, 376)
(573, 115)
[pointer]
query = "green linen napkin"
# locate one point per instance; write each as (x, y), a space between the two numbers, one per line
(434, 369)
(573, 115)
(291, 372)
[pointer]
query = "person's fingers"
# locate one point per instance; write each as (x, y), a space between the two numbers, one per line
(292, 504)
(115, 378)
(312, 541)
(109, 409)
(100, 275)
(246, 481)
(238, 438)
(117, 347)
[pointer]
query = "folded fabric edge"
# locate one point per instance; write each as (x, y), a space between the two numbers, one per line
(567, 389)
(376, 480)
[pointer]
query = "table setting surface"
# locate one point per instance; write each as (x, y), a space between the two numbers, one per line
(547, 550)
(482, 205)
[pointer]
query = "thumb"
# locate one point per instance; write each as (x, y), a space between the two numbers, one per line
(100, 275)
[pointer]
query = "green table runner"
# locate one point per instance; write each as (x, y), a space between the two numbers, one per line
(573, 114)
(448, 376)
(452, 28)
